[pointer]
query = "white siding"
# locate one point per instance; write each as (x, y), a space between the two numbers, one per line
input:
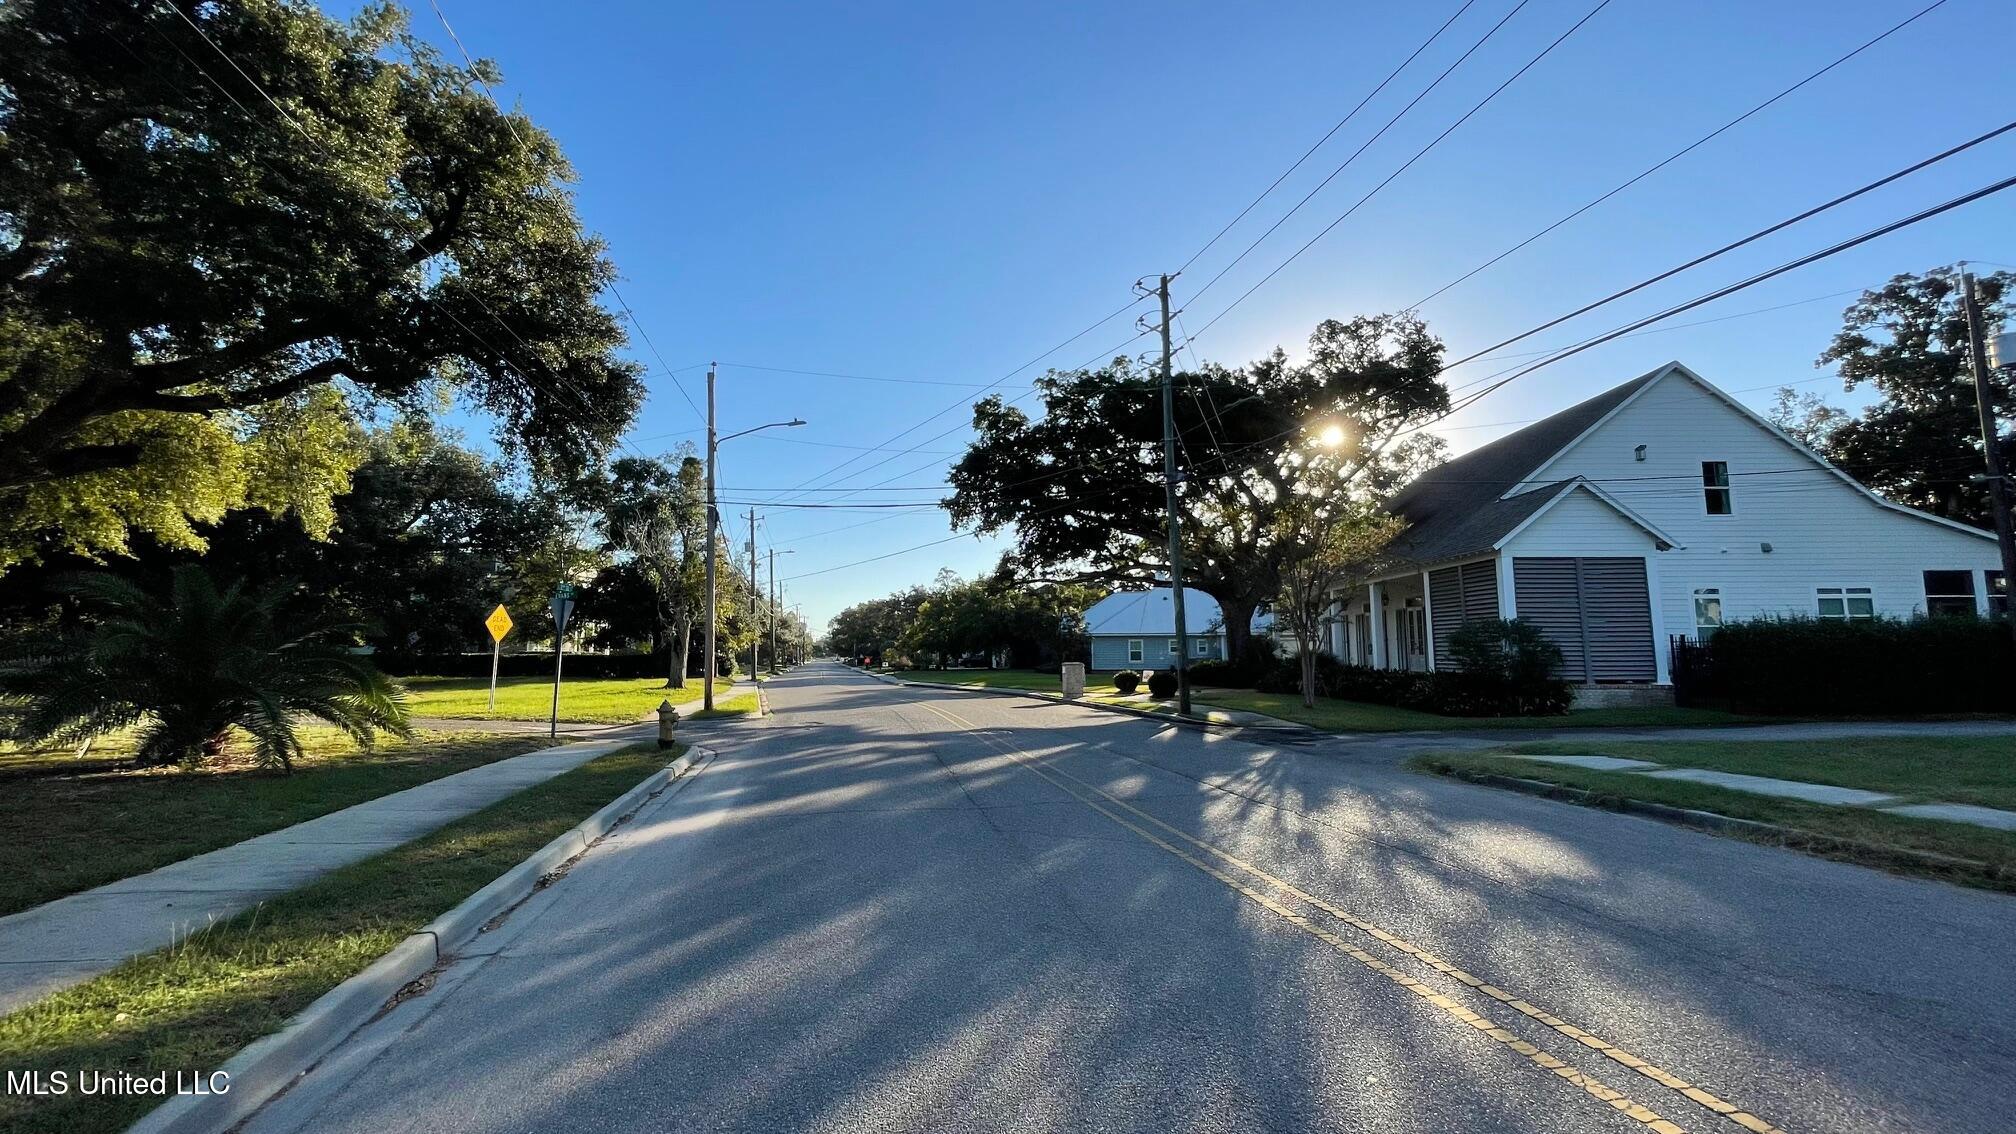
(1822, 532)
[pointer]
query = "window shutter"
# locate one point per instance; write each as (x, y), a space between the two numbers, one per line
(1546, 592)
(1457, 595)
(1598, 610)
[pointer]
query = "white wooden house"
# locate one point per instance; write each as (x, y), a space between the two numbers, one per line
(1661, 507)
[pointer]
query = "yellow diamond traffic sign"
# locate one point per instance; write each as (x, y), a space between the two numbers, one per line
(499, 623)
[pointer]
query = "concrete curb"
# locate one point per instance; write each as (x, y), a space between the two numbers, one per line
(273, 1063)
(1719, 823)
(1104, 706)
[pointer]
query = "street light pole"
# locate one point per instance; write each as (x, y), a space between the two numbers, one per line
(714, 442)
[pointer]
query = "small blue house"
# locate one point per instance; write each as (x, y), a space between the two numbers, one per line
(1137, 629)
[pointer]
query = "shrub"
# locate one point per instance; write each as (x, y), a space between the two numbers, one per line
(1127, 681)
(1508, 662)
(1447, 692)
(1947, 664)
(1215, 672)
(1162, 684)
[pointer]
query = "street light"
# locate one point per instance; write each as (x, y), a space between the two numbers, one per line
(714, 520)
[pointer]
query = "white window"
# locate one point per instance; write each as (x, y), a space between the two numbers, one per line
(1707, 612)
(1715, 488)
(1134, 650)
(1201, 647)
(1949, 592)
(1175, 648)
(1846, 604)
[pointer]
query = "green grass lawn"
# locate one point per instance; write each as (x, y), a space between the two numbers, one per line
(739, 702)
(582, 700)
(1356, 716)
(194, 1005)
(1996, 850)
(1972, 769)
(73, 832)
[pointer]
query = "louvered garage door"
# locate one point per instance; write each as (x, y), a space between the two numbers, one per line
(1457, 595)
(1597, 609)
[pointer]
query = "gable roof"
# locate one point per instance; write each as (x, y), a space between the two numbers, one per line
(1461, 507)
(1466, 507)
(1143, 613)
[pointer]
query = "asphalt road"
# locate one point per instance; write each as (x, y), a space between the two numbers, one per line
(889, 909)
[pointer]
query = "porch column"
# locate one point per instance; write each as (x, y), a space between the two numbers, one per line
(1377, 607)
(1508, 606)
(1428, 620)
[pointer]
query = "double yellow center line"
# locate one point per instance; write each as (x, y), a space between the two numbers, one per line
(1180, 844)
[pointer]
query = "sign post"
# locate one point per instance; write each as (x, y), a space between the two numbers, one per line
(563, 609)
(499, 624)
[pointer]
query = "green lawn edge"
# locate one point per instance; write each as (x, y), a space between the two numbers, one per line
(190, 1007)
(1852, 834)
(86, 830)
(583, 700)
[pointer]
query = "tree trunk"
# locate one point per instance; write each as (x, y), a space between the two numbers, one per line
(1308, 658)
(683, 661)
(1238, 614)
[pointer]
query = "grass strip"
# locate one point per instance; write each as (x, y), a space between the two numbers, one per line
(1851, 834)
(84, 830)
(1357, 716)
(582, 700)
(1948, 769)
(192, 1006)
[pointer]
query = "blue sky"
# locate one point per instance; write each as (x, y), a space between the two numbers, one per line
(942, 192)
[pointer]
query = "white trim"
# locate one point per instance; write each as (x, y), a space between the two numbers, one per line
(1662, 670)
(1428, 616)
(1137, 650)
(1376, 607)
(1582, 483)
(1533, 476)
(1508, 599)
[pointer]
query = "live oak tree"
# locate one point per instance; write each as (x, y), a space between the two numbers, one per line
(1081, 485)
(194, 280)
(1919, 443)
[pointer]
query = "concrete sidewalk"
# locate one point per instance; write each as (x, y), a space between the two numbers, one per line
(72, 939)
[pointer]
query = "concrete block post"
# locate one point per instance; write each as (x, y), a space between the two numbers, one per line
(1073, 680)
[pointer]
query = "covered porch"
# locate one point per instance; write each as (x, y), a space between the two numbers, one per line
(1597, 609)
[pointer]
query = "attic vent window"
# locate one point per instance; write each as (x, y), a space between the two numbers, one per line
(1638, 453)
(1715, 487)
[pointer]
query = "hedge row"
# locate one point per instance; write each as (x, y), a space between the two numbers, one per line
(1450, 693)
(1946, 664)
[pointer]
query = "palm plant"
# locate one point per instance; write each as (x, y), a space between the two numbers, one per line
(188, 667)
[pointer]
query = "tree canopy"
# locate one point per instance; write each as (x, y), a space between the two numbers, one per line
(1081, 485)
(1920, 442)
(193, 279)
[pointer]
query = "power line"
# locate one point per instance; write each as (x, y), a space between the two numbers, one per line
(859, 377)
(1341, 123)
(1425, 91)
(1882, 230)
(1421, 153)
(1751, 239)
(1682, 152)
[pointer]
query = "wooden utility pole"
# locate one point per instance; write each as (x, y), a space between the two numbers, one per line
(1170, 478)
(756, 638)
(1998, 483)
(713, 519)
(775, 657)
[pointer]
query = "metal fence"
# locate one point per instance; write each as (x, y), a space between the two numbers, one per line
(1695, 682)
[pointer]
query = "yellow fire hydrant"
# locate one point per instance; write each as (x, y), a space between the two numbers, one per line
(668, 720)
